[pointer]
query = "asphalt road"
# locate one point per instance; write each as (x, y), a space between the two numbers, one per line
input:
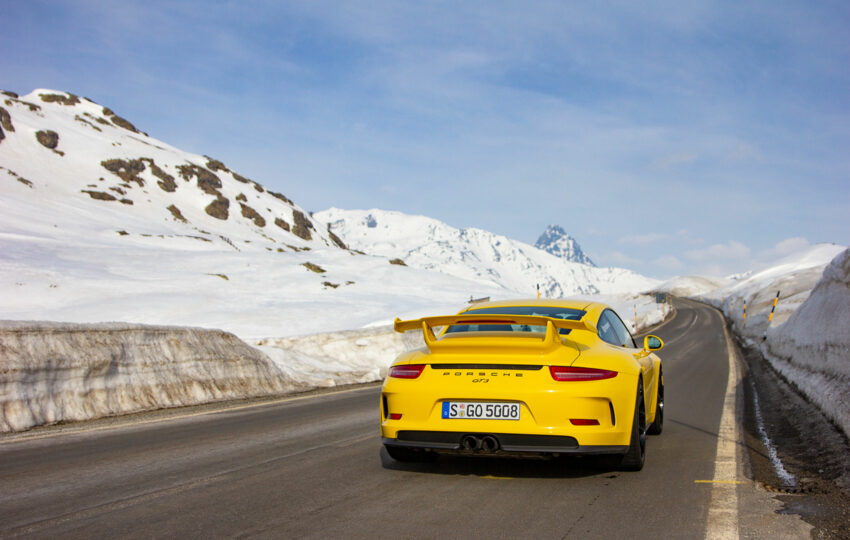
(313, 467)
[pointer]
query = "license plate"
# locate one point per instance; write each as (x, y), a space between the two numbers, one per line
(478, 410)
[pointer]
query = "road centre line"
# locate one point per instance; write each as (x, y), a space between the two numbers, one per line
(723, 509)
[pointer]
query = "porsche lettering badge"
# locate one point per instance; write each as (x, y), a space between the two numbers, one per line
(480, 374)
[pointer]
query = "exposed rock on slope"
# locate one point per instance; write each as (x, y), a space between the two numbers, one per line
(59, 372)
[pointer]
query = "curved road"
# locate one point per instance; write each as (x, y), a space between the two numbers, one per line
(313, 467)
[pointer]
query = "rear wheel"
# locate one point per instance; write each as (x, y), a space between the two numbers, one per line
(410, 455)
(657, 425)
(634, 459)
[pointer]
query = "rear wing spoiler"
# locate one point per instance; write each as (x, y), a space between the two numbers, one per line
(426, 324)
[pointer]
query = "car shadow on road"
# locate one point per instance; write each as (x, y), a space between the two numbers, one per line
(749, 447)
(504, 467)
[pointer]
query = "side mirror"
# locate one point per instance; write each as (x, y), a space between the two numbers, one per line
(652, 343)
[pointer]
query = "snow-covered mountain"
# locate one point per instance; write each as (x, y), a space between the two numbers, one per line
(101, 222)
(78, 166)
(556, 241)
(475, 254)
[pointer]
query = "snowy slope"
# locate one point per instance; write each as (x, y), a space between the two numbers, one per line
(556, 241)
(475, 254)
(85, 238)
(103, 175)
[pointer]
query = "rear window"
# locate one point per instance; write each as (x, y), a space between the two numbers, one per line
(537, 311)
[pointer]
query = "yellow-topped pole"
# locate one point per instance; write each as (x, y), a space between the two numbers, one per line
(775, 300)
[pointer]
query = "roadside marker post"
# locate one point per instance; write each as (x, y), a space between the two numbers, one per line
(775, 300)
(745, 313)
(538, 291)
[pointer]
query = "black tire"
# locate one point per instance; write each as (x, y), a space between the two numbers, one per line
(410, 455)
(634, 459)
(657, 425)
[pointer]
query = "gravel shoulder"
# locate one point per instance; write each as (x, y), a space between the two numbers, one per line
(780, 423)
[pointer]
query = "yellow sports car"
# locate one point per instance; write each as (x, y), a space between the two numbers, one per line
(524, 378)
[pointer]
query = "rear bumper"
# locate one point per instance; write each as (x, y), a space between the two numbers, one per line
(508, 443)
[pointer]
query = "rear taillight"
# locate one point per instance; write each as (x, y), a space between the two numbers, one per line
(406, 372)
(564, 373)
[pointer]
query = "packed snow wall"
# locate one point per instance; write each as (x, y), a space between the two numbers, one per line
(56, 372)
(812, 348)
(807, 339)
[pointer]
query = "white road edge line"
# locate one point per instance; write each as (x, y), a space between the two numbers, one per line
(723, 509)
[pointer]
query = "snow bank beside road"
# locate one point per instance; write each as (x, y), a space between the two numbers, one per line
(56, 372)
(325, 360)
(358, 356)
(807, 340)
(813, 347)
(59, 372)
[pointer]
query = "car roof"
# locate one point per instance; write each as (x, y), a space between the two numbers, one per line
(568, 303)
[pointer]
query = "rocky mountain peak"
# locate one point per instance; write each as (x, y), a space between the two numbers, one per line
(556, 241)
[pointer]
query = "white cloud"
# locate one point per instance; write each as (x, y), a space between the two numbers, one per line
(782, 249)
(791, 245)
(668, 263)
(723, 252)
(642, 239)
(618, 258)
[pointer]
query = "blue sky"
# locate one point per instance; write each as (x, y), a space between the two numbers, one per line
(667, 137)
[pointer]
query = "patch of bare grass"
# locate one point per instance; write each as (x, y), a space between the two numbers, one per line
(219, 208)
(282, 224)
(69, 99)
(83, 121)
(18, 177)
(97, 119)
(253, 215)
(178, 215)
(336, 239)
(6, 120)
(126, 169)
(99, 195)
(216, 165)
(302, 226)
(47, 138)
(399, 262)
(118, 121)
(281, 197)
(313, 267)
(206, 180)
(166, 181)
